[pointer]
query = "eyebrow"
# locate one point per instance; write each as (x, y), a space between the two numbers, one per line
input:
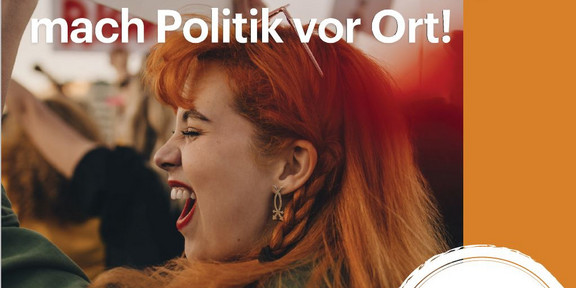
(193, 113)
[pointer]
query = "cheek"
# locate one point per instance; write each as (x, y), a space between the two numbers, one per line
(225, 175)
(215, 163)
(234, 200)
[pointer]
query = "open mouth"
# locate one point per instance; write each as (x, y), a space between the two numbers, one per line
(186, 214)
(182, 191)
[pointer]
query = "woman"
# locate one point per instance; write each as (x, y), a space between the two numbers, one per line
(262, 136)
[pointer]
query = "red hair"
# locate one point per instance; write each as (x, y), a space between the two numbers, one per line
(364, 218)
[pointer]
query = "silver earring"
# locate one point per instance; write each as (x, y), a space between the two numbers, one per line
(277, 213)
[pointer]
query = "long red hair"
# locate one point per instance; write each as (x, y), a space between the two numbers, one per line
(364, 218)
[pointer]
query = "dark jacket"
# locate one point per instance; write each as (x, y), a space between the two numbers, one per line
(30, 260)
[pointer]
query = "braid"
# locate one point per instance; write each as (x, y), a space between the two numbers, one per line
(296, 215)
(298, 211)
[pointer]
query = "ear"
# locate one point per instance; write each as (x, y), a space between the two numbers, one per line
(296, 166)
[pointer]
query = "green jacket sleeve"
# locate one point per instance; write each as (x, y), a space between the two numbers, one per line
(30, 260)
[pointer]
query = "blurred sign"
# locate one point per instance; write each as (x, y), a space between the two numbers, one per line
(71, 10)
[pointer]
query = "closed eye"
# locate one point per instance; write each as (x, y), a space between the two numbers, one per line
(191, 132)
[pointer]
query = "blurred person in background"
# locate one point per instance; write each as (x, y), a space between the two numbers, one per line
(39, 192)
(114, 184)
(141, 122)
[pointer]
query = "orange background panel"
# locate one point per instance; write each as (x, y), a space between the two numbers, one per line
(520, 129)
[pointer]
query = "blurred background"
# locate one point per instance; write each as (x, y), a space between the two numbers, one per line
(104, 79)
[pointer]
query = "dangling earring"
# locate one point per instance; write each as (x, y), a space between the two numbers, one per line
(277, 213)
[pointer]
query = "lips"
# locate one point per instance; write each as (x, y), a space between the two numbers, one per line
(183, 191)
(186, 214)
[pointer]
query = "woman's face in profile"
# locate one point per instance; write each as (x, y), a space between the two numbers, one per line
(210, 156)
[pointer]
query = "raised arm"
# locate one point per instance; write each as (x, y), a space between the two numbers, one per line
(59, 143)
(28, 259)
(15, 15)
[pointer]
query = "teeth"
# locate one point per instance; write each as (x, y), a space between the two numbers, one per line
(181, 193)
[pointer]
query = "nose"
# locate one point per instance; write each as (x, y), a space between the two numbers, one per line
(168, 156)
